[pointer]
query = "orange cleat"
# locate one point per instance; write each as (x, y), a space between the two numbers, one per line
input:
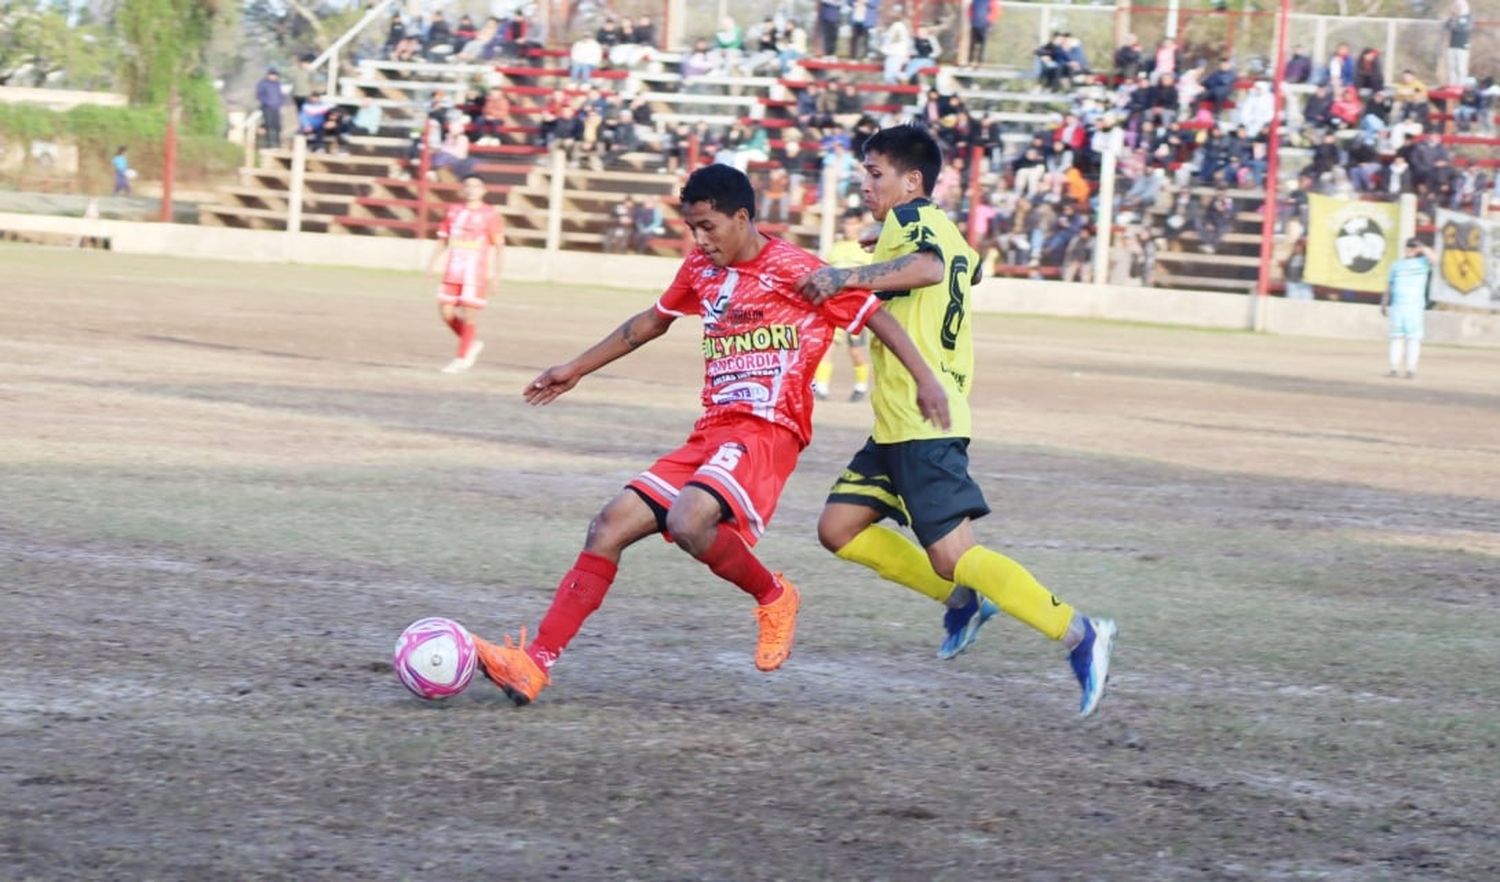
(510, 668)
(778, 626)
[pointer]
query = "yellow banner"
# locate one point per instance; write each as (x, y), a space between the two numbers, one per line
(1351, 244)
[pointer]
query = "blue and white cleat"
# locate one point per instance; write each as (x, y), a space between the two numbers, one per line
(1090, 660)
(963, 623)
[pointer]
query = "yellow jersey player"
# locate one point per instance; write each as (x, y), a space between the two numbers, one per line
(847, 252)
(910, 470)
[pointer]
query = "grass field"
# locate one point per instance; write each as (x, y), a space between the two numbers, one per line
(227, 487)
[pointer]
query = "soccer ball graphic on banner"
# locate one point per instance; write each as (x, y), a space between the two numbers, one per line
(1360, 244)
(435, 658)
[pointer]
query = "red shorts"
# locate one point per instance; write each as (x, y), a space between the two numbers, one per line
(744, 461)
(461, 295)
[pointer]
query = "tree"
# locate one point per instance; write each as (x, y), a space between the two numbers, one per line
(166, 40)
(39, 46)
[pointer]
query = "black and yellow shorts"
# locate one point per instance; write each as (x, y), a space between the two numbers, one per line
(922, 484)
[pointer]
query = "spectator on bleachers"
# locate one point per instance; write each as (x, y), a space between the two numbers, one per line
(1467, 111)
(846, 171)
(699, 63)
(924, 53)
(454, 154)
(1078, 257)
(310, 118)
(1071, 132)
(1299, 66)
(621, 135)
(1130, 59)
(484, 45)
(1460, 28)
(395, 33)
(1340, 71)
(1077, 62)
(1430, 161)
(1326, 155)
(1163, 100)
(368, 118)
(332, 134)
(649, 223)
(1189, 90)
(564, 131)
(982, 15)
(269, 96)
(1369, 75)
(609, 32)
(1029, 169)
(1318, 112)
(1051, 62)
(590, 145)
(439, 38)
(896, 46)
(864, 17)
(791, 45)
(1397, 179)
(830, 13)
(1376, 119)
(1218, 87)
(494, 110)
(729, 38)
(776, 202)
(1411, 98)
(621, 227)
(1144, 191)
(465, 31)
(585, 57)
(1257, 109)
(1347, 109)
(645, 32)
(1297, 288)
(1213, 219)
(301, 81)
(1166, 60)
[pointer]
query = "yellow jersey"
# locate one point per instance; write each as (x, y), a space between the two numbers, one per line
(934, 317)
(846, 253)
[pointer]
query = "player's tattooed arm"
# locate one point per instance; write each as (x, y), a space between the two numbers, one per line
(897, 274)
(635, 332)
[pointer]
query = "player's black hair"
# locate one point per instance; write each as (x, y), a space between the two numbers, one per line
(909, 148)
(723, 186)
(475, 175)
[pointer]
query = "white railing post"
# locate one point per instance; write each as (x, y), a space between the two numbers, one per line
(1104, 226)
(250, 137)
(299, 175)
(830, 207)
(333, 73)
(330, 55)
(555, 202)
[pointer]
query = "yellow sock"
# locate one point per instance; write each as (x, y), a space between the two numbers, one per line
(1014, 590)
(893, 556)
(824, 373)
(861, 376)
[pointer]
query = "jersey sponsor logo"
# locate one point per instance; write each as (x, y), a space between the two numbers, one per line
(761, 339)
(738, 392)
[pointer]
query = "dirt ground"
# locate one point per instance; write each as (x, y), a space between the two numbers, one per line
(228, 487)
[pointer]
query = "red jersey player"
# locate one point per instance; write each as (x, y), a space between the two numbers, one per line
(469, 233)
(714, 495)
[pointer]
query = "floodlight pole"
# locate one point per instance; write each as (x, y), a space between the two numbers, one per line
(1273, 153)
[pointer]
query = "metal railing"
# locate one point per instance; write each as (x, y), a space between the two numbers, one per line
(330, 55)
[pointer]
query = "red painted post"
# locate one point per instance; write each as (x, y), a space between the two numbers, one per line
(169, 159)
(976, 196)
(1273, 152)
(423, 168)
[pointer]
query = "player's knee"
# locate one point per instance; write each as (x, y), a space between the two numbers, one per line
(942, 564)
(692, 532)
(605, 534)
(834, 534)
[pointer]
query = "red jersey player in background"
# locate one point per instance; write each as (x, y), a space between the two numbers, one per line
(714, 495)
(469, 233)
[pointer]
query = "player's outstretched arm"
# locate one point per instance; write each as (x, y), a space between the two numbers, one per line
(902, 273)
(637, 330)
(932, 401)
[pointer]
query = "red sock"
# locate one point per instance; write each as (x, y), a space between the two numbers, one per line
(578, 594)
(456, 325)
(732, 560)
(466, 338)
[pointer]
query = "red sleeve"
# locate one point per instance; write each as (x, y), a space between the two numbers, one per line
(850, 309)
(679, 299)
(497, 228)
(446, 227)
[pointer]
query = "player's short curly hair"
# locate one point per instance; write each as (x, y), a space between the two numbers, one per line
(909, 148)
(724, 187)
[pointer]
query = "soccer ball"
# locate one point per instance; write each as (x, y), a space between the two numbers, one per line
(435, 658)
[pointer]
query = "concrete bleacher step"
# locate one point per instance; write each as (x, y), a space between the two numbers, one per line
(281, 198)
(1164, 279)
(327, 161)
(1217, 259)
(276, 218)
(284, 176)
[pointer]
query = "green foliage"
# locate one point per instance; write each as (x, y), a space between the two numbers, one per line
(166, 40)
(38, 45)
(99, 131)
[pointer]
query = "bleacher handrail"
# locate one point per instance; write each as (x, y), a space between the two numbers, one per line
(330, 56)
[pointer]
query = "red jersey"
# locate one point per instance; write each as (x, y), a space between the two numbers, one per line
(472, 234)
(761, 339)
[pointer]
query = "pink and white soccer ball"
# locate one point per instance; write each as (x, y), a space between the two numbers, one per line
(435, 658)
